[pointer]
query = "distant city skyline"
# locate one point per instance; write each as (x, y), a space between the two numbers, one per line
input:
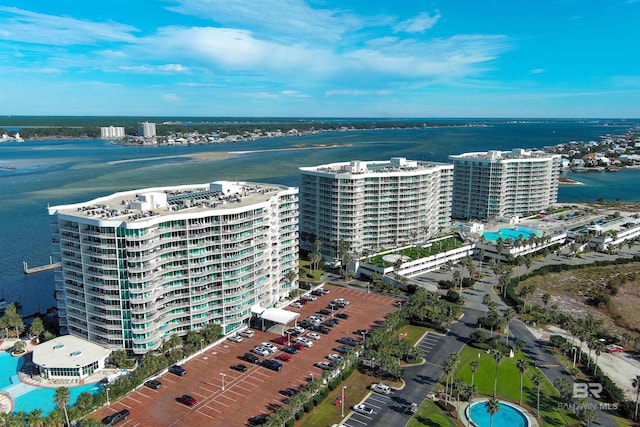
(297, 58)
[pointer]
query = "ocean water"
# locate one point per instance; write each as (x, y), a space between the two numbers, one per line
(35, 174)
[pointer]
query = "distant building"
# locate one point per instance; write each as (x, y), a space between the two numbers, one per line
(146, 129)
(498, 184)
(112, 132)
(139, 266)
(373, 205)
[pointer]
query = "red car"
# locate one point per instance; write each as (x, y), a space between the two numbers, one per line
(280, 340)
(302, 301)
(297, 346)
(612, 348)
(187, 400)
(284, 357)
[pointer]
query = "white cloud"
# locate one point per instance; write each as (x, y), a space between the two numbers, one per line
(294, 94)
(420, 23)
(21, 25)
(170, 97)
(359, 92)
(280, 19)
(153, 69)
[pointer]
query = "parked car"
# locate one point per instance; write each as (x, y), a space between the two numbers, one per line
(258, 420)
(361, 408)
(114, 419)
(187, 400)
(319, 316)
(289, 349)
(260, 350)
(235, 338)
(272, 364)
(251, 358)
(348, 341)
(247, 333)
(309, 297)
(322, 329)
(296, 304)
(325, 311)
(612, 348)
(342, 349)
(292, 332)
(281, 340)
(342, 315)
(302, 301)
(239, 367)
(335, 357)
(331, 322)
(285, 357)
(299, 329)
(305, 342)
(289, 392)
(313, 336)
(380, 388)
(325, 365)
(272, 348)
(298, 346)
(341, 301)
(317, 293)
(153, 384)
(413, 408)
(177, 370)
(363, 332)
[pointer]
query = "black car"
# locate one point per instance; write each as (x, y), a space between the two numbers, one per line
(177, 370)
(342, 315)
(272, 364)
(258, 420)
(250, 357)
(332, 322)
(114, 419)
(324, 311)
(289, 392)
(322, 329)
(317, 292)
(333, 306)
(289, 349)
(153, 384)
(348, 341)
(342, 349)
(239, 367)
(363, 332)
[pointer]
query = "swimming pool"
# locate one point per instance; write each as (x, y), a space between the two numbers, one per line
(511, 233)
(507, 416)
(26, 397)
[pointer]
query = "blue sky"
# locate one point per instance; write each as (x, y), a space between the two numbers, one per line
(321, 58)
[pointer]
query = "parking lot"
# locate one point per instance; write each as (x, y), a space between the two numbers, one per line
(228, 397)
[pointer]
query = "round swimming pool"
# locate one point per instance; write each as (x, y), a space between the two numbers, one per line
(511, 233)
(507, 416)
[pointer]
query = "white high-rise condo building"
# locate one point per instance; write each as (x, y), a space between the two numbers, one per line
(141, 265)
(112, 132)
(373, 205)
(146, 129)
(504, 183)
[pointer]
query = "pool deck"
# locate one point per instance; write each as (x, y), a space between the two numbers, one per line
(463, 411)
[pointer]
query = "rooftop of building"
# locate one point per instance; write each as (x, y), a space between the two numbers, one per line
(515, 154)
(68, 351)
(395, 164)
(150, 202)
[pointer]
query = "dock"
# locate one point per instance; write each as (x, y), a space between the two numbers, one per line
(40, 268)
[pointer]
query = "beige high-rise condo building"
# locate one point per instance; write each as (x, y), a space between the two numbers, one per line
(373, 205)
(138, 266)
(112, 132)
(146, 129)
(504, 183)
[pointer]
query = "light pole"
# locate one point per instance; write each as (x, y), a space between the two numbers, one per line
(288, 338)
(342, 399)
(222, 375)
(107, 389)
(573, 350)
(201, 342)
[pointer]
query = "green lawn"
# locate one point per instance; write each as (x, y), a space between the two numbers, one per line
(509, 385)
(430, 415)
(414, 333)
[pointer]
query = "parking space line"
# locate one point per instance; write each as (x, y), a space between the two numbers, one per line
(230, 390)
(208, 407)
(358, 421)
(205, 414)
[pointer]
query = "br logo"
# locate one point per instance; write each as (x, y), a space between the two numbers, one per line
(582, 390)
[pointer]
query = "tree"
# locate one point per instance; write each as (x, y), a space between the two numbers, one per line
(537, 379)
(522, 365)
(497, 358)
(493, 406)
(474, 368)
(588, 415)
(12, 319)
(35, 419)
(598, 347)
(509, 315)
(36, 328)
(61, 398)
(546, 297)
(635, 382)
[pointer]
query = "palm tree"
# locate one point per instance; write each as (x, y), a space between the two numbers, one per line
(497, 358)
(521, 364)
(35, 419)
(510, 314)
(474, 368)
(61, 398)
(536, 379)
(492, 406)
(636, 387)
(599, 346)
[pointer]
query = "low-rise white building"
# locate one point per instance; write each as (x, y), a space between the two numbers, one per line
(69, 357)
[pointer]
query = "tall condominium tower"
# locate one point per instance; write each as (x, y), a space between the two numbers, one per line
(373, 205)
(141, 265)
(112, 132)
(147, 129)
(504, 183)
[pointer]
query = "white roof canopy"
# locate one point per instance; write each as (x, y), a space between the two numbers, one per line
(276, 315)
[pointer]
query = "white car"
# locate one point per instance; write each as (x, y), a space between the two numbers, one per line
(309, 297)
(341, 301)
(361, 408)
(296, 305)
(261, 351)
(305, 342)
(380, 388)
(235, 338)
(299, 329)
(272, 348)
(247, 333)
(313, 336)
(335, 357)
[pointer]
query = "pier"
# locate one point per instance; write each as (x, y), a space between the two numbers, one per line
(41, 268)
